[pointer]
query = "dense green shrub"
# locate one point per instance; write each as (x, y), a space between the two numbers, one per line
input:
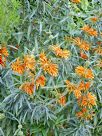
(34, 27)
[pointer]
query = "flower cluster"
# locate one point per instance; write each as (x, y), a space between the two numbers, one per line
(89, 30)
(83, 45)
(86, 100)
(59, 52)
(48, 66)
(84, 72)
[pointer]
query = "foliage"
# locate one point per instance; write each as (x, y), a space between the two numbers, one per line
(9, 18)
(54, 62)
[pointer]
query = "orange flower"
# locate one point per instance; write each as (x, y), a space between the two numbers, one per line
(89, 74)
(83, 55)
(82, 113)
(62, 100)
(80, 70)
(40, 81)
(29, 62)
(27, 87)
(83, 86)
(87, 100)
(43, 58)
(18, 66)
(75, 1)
(84, 72)
(52, 69)
(59, 52)
(3, 55)
(47, 66)
(44, 61)
(70, 86)
(85, 114)
(77, 93)
(3, 51)
(81, 43)
(89, 30)
(94, 19)
(65, 54)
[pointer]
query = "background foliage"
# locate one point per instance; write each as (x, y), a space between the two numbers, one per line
(30, 27)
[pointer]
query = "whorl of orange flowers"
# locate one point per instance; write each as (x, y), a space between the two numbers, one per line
(87, 100)
(84, 113)
(91, 31)
(48, 66)
(78, 89)
(40, 81)
(84, 86)
(59, 52)
(84, 72)
(27, 87)
(18, 66)
(76, 1)
(29, 62)
(81, 43)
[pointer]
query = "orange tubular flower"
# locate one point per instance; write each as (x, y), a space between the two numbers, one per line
(87, 100)
(18, 66)
(61, 53)
(85, 114)
(83, 86)
(27, 87)
(75, 1)
(62, 100)
(77, 93)
(3, 51)
(29, 62)
(65, 54)
(83, 55)
(89, 74)
(84, 72)
(94, 19)
(80, 70)
(3, 55)
(89, 30)
(40, 81)
(57, 50)
(52, 69)
(70, 86)
(44, 62)
(47, 66)
(81, 43)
